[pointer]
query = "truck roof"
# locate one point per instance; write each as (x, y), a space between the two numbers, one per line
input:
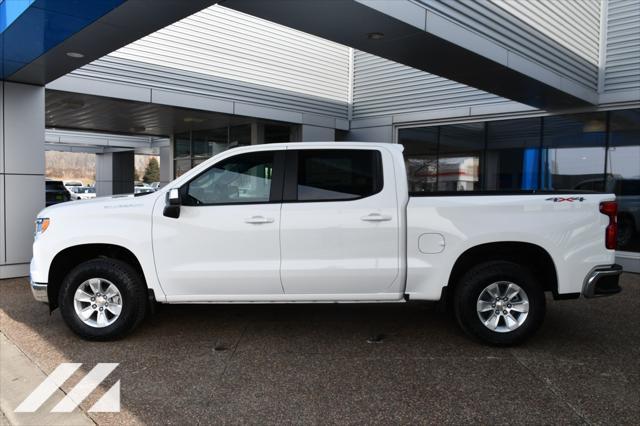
(327, 144)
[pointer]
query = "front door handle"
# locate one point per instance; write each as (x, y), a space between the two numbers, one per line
(258, 219)
(376, 217)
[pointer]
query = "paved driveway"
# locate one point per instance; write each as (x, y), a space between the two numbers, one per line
(350, 364)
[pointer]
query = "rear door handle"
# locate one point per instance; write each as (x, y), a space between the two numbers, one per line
(258, 219)
(376, 217)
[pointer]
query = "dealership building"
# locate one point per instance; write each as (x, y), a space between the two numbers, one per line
(485, 96)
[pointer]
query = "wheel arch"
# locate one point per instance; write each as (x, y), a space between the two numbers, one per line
(71, 257)
(536, 258)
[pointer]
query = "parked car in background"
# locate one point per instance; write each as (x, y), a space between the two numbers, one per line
(323, 222)
(82, 192)
(141, 188)
(55, 192)
(628, 197)
(72, 183)
(155, 185)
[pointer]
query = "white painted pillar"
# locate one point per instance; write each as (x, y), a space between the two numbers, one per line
(22, 193)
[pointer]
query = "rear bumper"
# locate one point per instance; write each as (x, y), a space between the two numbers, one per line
(39, 291)
(602, 281)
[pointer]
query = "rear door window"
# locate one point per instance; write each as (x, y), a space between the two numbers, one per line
(338, 174)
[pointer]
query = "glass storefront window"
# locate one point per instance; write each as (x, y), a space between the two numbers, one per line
(181, 166)
(623, 175)
(513, 155)
(182, 145)
(421, 157)
(239, 135)
(573, 150)
(194, 147)
(207, 143)
(460, 147)
(445, 158)
(182, 153)
(562, 153)
(276, 134)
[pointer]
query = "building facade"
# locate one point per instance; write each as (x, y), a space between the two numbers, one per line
(485, 96)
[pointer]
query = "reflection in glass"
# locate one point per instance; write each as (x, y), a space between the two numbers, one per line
(513, 154)
(460, 147)
(181, 166)
(573, 150)
(623, 175)
(207, 143)
(421, 157)
(182, 145)
(458, 173)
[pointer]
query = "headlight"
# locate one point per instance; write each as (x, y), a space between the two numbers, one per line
(42, 223)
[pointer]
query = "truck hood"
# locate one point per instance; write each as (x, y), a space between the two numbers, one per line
(115, 202)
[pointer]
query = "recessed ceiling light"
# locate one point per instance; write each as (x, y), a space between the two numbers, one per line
(192, 120)
(375, 36)
(75, 55)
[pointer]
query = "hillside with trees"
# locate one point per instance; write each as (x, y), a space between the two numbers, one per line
(80, 166)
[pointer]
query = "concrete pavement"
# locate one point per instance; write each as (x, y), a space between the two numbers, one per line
(19, 376)
(315, 363)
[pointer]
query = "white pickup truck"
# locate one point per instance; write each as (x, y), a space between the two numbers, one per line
(322, 222)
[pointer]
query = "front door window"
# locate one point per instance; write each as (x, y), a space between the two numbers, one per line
(244, 178)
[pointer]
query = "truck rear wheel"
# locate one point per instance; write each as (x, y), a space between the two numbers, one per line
(499, 303)
(102, 299)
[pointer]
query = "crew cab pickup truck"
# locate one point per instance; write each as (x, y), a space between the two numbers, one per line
(322, 222)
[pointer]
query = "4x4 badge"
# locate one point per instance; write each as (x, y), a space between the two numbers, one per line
(563, 199)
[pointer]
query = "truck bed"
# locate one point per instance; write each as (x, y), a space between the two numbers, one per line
(441, 227)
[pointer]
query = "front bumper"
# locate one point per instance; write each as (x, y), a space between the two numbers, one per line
(39, 291)
(602, 281)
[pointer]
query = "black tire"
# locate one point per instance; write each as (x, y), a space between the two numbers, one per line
(472, 284)
(125, 278)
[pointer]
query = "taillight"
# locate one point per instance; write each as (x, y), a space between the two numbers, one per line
(610, 208)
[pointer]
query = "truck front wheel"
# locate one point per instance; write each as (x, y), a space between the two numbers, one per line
(102, 299)
(499, 302)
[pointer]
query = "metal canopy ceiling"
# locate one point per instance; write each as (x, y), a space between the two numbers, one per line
(49, 39)
(98, 143)
(87, 112)
(352, 23)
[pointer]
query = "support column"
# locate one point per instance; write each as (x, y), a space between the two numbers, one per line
(165, 165)
(22, 193)
(257, 133)
(114, 173)
(317, 133)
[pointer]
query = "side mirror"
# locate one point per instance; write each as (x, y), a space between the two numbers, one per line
(172, 206)
(174, 197)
